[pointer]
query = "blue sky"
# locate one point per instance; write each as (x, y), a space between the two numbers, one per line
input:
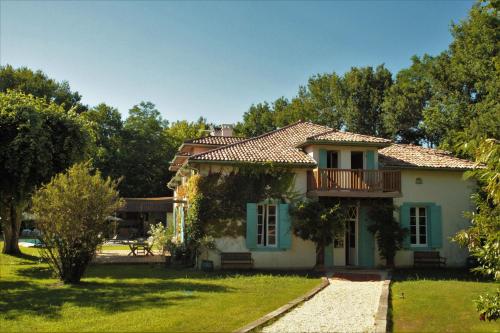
(214, 59)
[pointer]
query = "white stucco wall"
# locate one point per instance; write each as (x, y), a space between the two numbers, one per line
(344, 153)
(447, 189)
(302, 254)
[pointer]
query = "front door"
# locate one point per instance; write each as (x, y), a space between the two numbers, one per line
(351, 237)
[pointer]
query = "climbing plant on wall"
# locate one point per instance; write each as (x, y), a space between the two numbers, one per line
(217, 202)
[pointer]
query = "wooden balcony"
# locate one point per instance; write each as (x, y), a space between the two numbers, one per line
(354, 183)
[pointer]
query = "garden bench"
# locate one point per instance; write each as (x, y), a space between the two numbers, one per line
(238, 260)
(428, 258)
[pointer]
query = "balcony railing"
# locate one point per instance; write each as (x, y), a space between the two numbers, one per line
(345, 180)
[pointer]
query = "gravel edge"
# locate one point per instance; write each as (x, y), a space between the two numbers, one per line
(287, 307)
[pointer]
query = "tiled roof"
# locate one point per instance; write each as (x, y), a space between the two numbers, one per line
(278, 146)
(348, 137)
(215, 140)
(411, 156)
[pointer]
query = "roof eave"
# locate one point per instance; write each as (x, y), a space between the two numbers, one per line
(426, 168)
(236, 162)
(344, 143)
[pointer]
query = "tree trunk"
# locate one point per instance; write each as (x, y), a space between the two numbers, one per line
(320, 256)
(11, 223)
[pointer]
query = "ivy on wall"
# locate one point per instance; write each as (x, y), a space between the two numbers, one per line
(217, 202)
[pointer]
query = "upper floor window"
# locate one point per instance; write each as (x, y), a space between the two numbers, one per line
(266, 225)
(418, 226)
(332, 159)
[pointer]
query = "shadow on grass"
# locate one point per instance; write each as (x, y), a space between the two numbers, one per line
(437, 274)
(20, 298)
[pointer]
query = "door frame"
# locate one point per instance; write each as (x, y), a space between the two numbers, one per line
(356, 239)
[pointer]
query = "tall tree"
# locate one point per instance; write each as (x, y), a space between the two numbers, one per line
(144, 152)
(465, 105)
(181, 130)
(106, 124)
(405, 101)
(39, 85)
(360, 98)
(37, 140)
(257, 120)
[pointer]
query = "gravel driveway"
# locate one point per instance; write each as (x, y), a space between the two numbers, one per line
(343, 306)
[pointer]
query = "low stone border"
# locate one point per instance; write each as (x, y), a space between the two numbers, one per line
(383, 306)
(288, 306)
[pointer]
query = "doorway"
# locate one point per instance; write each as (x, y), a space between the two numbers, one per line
(357, 160)
(351, 237)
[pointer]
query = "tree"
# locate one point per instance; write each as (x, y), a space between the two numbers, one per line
(107, 125)
(258, 120)
(37, 140)
(387, 230)
(39, 85)
(482, 238)
(318, 222)
(143, 153)
(71, 214)
(360, 98)
(405, 101)
(181, 130)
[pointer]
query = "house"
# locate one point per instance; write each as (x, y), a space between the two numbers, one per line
(426, 184)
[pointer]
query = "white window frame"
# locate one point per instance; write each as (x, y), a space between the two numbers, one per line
(417, 226)
(265, 224)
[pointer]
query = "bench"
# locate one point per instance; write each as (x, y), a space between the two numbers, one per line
(236, 260)
(428, 258)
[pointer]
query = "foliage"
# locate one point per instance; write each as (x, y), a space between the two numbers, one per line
(482, 238)
(386, 229)
(256, 121)
(318, 222)
(488, 306)
(159, 236)
(181, 130)
(144, 149)
(217, 202)
(37, 140)
(39, 85)
(71, 214)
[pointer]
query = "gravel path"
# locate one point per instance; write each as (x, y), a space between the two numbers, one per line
(343, 306)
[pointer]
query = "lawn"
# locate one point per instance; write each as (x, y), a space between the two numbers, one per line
(438, 301)
(137, 298)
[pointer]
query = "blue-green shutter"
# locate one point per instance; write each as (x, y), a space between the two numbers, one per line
(322, 158)
(370, 160)
(436, 228)
(329, 255)
(404, 214)
(285, 227)
(366, 241)
(251, 237)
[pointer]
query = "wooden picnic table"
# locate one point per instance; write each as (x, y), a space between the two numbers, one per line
(138, 247)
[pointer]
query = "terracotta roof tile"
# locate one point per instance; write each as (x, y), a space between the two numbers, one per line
(411, 156)
(278, 146)
(215, 140)
(339, 136)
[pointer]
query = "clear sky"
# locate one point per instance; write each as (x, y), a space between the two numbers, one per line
(214, 59)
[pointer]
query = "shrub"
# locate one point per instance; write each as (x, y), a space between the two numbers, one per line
(159, 235)
(488, 306)
(71, 214)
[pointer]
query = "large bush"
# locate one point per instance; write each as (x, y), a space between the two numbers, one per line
(71, 214)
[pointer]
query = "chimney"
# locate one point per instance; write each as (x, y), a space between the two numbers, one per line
(222, 130)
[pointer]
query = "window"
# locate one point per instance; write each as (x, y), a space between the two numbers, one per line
(418, 226)
(332, 159)
(266, 225)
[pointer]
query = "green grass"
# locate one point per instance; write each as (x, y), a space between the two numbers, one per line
(137, 298)
(438, 301)
(115, 247)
